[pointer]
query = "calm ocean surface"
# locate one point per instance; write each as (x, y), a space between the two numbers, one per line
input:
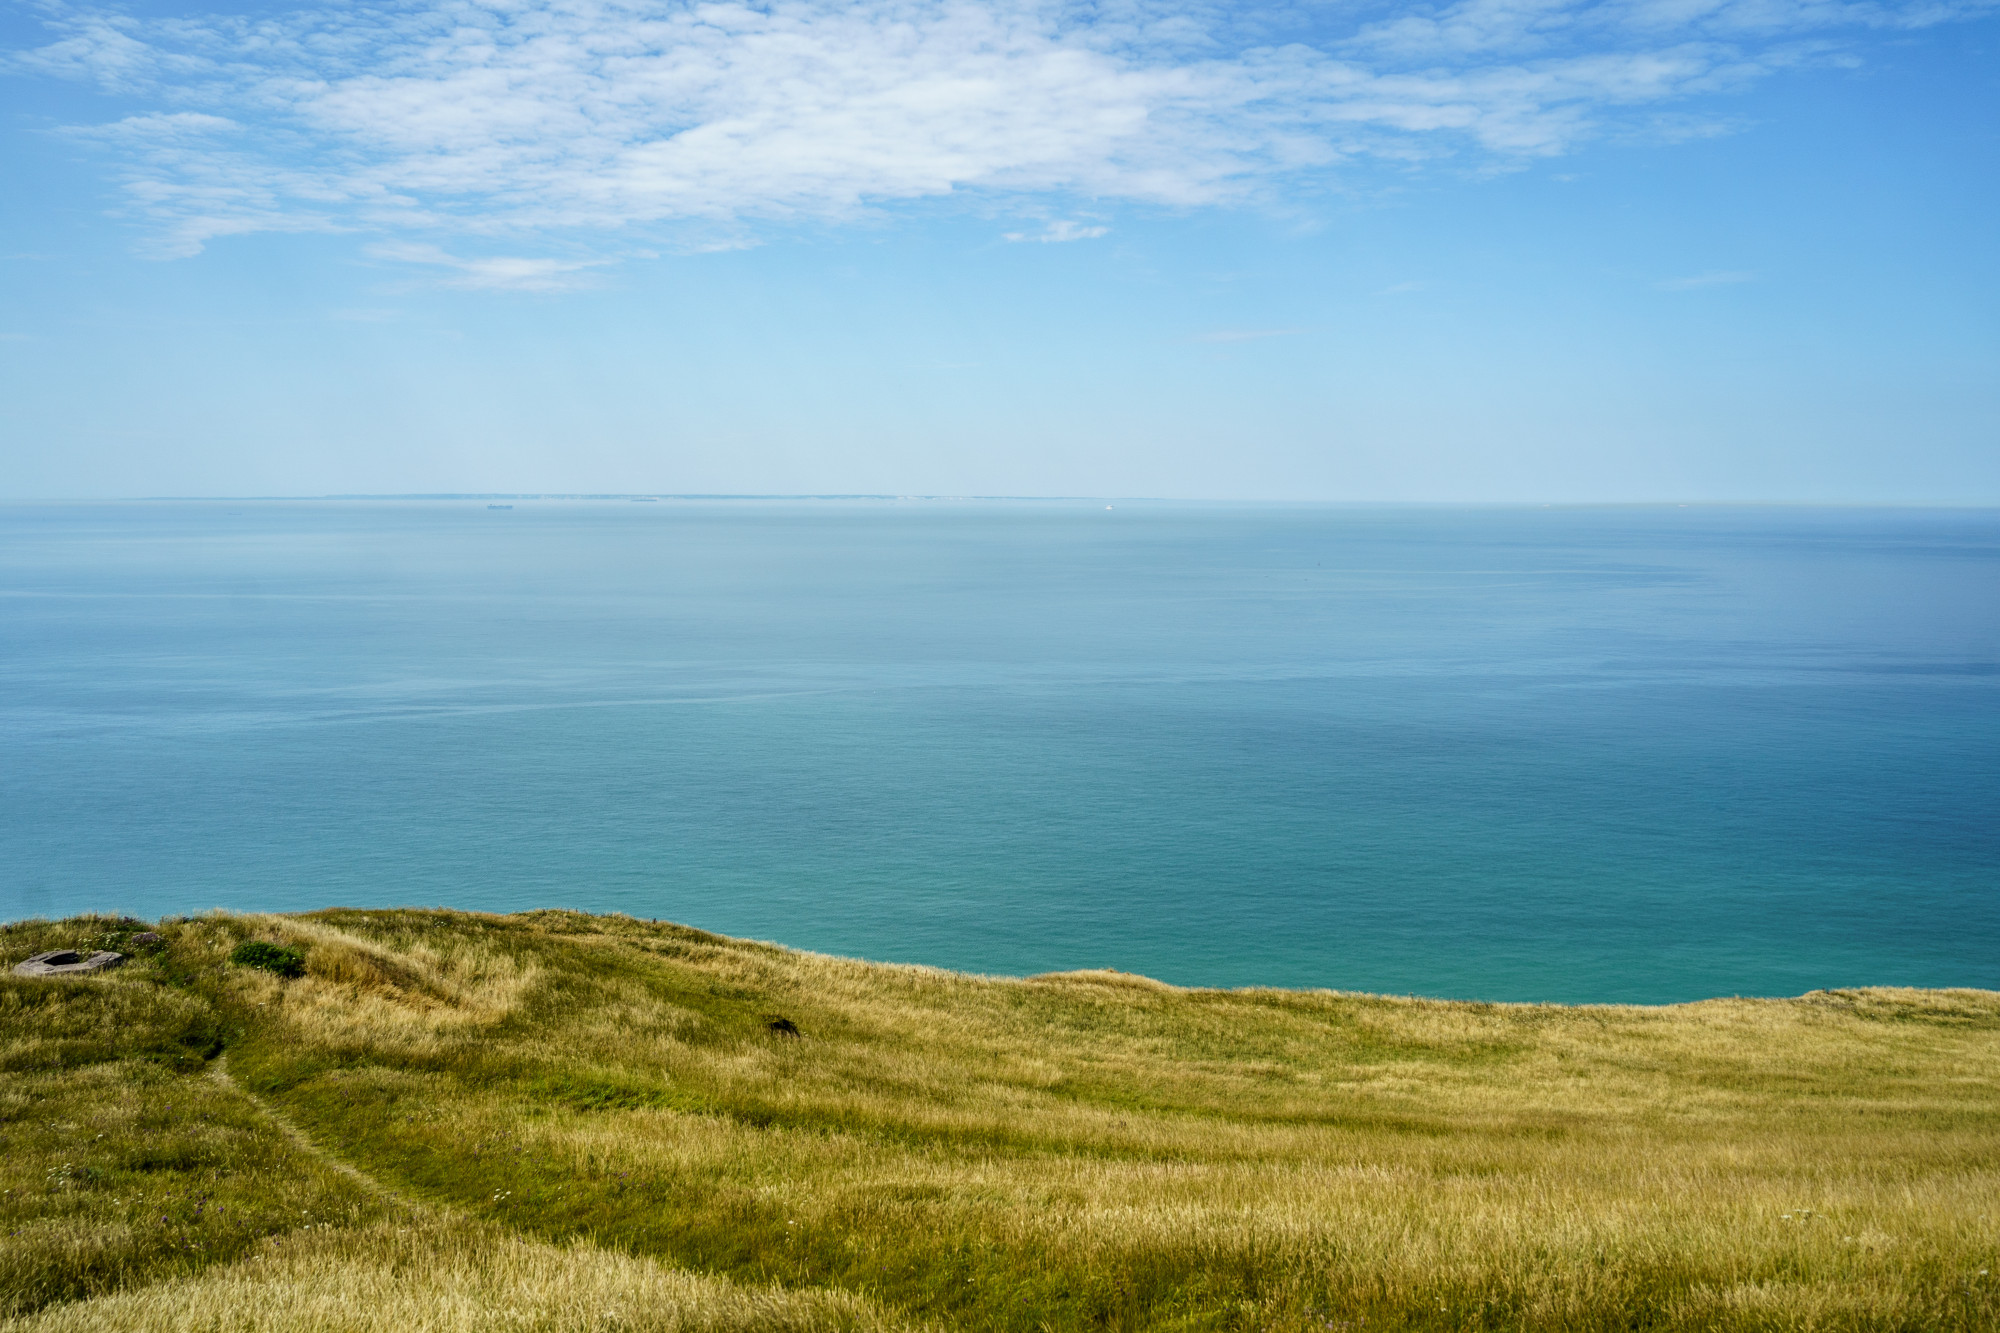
(1565, 754)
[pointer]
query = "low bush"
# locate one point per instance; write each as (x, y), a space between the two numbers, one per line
(271, 957)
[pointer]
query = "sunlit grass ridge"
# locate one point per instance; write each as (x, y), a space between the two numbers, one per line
(600, 1105)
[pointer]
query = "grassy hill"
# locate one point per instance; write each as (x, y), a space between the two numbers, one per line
(457, 1121)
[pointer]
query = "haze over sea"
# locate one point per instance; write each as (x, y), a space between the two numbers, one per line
(1642, 754)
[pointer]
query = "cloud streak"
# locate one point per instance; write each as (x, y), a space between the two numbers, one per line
(1058, 232)
(496, 120)
(507, 273)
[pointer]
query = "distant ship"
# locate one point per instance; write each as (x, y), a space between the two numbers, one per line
(499, 506)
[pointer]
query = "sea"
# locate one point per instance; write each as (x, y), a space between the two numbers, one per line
(1576, 754)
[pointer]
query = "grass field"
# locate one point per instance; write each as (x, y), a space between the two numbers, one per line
(456, 1121)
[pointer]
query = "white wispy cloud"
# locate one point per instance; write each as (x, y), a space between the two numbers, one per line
(509, 273)
(1058, 232)
(1700, 280)
(503, 123)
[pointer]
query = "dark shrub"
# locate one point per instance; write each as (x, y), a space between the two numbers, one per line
(270, 957)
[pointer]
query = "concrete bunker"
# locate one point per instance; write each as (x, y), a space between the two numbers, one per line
(67, 963)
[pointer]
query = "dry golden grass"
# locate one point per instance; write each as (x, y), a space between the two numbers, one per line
(408, 992)
(449, 1278)
(1097, 1150)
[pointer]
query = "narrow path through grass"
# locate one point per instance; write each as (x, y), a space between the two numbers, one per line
(147, 1190)
(218, 1069)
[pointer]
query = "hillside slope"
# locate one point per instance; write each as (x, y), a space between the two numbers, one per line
(570, 1121)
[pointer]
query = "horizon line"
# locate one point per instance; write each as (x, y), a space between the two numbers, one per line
(837, 496)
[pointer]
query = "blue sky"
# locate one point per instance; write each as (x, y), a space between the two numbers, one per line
(1489, 250)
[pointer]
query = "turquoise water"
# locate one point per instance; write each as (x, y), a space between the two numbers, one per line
(1568, 754)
